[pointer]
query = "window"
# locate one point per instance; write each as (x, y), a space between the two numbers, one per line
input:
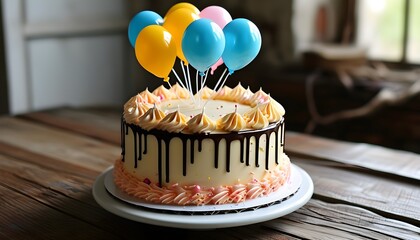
(389, 30)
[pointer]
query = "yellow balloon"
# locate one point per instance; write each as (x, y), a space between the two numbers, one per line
(156, 51)
(185, 5)
(176, 23)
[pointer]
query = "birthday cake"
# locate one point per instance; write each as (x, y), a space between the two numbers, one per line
(208, 146)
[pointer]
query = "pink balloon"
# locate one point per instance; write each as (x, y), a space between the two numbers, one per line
(221, 17)
(217, 14)
(214, 67)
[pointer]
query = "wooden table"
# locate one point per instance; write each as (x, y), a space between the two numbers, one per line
(49, 161)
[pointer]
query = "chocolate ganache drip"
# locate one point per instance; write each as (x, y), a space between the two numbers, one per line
(195, 141)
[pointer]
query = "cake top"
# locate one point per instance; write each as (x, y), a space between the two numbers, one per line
(203, 40)
(230, 110)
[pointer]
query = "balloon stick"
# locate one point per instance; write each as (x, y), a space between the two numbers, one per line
(224, 81)
(196, 81)
(189, 81)
(186, 82)
(177, 77)
(218, 82)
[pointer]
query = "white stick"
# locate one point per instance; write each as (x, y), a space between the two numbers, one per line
(177, 77)
(218, 82)
(196, 81)
(189, 81)
(224, 81)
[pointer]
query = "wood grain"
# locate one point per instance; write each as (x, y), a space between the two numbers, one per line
(341, 221)
(62, 145)
(377, 158)
(92, 123)
(398, 198)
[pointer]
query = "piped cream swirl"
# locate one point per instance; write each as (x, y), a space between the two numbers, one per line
(255, 119)
(232, 122)
(200, 123)
(173, 122)
(272, 110)
(179, 92)
(163, 93)
(151, 118)
(149, 97)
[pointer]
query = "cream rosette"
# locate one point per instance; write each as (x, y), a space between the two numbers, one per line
(134, 108)
(173, 122)
(149, 97)
(255, 119)
(223, 94)
(151, 118)
(260, 97)
(205, 93)
(232, 122)
(236, 93)
(163, 93)
(179, 92)
(200, 123)
(272, 110)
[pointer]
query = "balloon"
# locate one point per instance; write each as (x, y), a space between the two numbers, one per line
(221, 17)
(243, 42)
(203, 44)
(185, 5)
(140, 21)
(217, 14)
(176, 23)
(156, 51)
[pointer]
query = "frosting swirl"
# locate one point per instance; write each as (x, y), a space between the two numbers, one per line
(258, 98)
(179, 92)
(151, 118)
(255, 119)
(233, 122)
(134, 108)
(163, 93)
(245, 97)
(236, 93)
(173, 122)
(272, 110)
(205, 93)
(149, 97)
(200, 123)
(223, 93)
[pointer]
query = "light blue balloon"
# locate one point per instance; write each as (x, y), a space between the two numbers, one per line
(203, 44)
(140, 21)
(243, 43)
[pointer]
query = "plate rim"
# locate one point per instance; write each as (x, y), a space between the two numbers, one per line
(149, 216)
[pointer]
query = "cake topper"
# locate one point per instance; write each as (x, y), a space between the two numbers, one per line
(203, 39)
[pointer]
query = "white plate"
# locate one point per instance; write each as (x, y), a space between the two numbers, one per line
(289, 188)
(232, 219)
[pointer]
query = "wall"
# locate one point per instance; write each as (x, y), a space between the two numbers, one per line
(65, 53)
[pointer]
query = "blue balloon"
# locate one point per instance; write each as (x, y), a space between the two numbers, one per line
(243, 43)
(203, 44)
(140, 21)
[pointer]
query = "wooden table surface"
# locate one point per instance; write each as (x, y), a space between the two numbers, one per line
(49, 161)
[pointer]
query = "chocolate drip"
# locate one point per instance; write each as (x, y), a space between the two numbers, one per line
(184, 157)
(267, 150)
(247, 151)
(244, 137)
(192, 151)
(140, 147)
(257, 145)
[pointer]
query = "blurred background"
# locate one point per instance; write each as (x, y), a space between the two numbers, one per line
(344, 69)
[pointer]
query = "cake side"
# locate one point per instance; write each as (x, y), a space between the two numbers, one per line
(214, 158)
